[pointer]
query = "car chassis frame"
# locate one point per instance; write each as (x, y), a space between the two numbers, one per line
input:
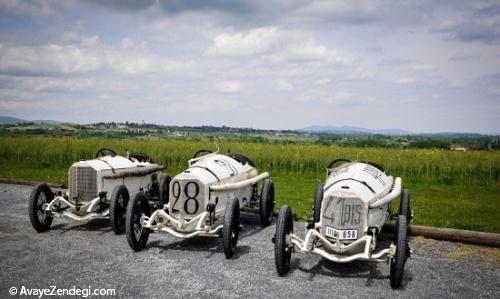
(56, 210)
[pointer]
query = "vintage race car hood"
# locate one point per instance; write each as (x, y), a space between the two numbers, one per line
(357, 179)
(111, 162)
(217, 168)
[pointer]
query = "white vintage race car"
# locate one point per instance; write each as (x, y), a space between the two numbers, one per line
(204, 200)
(99, 188)
(350, 209)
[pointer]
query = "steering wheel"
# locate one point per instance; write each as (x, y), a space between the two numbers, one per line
(201, 151)
(242, 159)
(141, 157)
(102, 150)
(336, 161)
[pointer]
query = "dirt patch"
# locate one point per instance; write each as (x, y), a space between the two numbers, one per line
(489, 256)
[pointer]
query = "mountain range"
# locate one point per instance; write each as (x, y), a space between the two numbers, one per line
(354, 130)
(343, 130)
(14, 120)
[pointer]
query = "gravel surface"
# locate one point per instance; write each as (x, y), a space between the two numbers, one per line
(89, 254)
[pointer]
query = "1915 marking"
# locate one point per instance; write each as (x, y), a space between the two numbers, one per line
(344, 212)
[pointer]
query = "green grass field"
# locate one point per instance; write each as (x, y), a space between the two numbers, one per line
(449, 189)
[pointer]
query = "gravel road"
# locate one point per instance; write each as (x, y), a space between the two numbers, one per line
(90, 255)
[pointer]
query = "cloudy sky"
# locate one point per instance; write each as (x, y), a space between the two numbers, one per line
(423, 66)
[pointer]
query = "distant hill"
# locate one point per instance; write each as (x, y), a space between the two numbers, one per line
(14, 120)
(353, 130)
(341, 130)
(45, 122)
(10, 120)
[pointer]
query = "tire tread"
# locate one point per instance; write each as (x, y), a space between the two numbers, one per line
(284, 225)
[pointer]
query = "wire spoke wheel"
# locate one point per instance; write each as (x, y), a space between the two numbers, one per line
(164, 189)
(318, 199)
(40, 197)
(137, 223)
(399, 259)
(41, 213)
(266, 204)
(137, 235)
(118, 209)
(282, 247)
(231, 227)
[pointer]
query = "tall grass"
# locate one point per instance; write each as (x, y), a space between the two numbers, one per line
(415, 166)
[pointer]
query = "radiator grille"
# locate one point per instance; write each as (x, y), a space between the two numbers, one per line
(343, 213)
(82, 184)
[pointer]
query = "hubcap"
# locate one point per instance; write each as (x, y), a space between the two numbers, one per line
(137, 222)
(121, 209)
(41, 214)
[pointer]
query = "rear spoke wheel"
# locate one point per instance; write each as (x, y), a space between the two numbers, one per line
(318, 199)
(164, 188)
(266, 204)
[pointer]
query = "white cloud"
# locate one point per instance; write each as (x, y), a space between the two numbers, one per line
(406, 80)
(48, 59)
(284, 85)
(127, 43)
(19, 104)
(313, 52)
(323, 81)
(343, 95)
(255, 41)
(423, 68)
(206, 105)
(79, 55)
(228, 86)
(277, 45)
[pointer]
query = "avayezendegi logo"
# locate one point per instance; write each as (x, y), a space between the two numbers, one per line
(55, 291)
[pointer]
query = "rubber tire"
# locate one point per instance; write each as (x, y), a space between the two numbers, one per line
(404, 205)
(282, 252)
(135, 209)
(231, 227)
(33, 208)
(117, 210)
(405, 209)
(399, 259)
(266, 203)
(164, 192)
(318, 199)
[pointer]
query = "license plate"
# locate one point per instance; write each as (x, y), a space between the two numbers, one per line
(341, 234)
